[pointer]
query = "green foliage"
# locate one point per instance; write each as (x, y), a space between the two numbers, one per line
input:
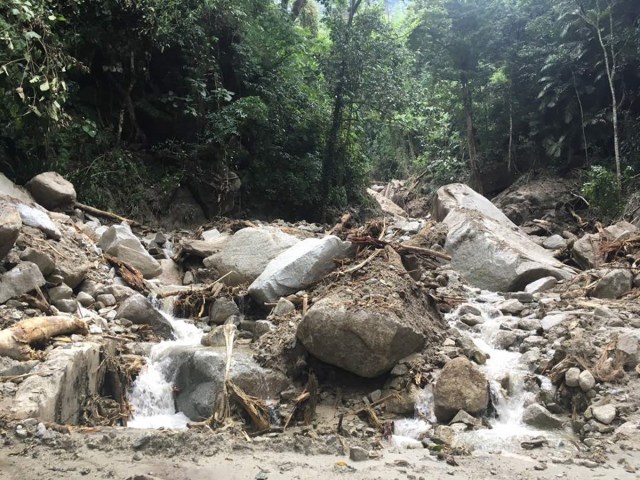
(601, 191)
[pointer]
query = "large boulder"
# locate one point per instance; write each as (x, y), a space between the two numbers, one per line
(140, 311)
(486, 247)
(51, 190)
(10, 224)
(21, 279)
(367, 341)
(10, 189)
(247, 253)
(60, 385)
(37, 217)
(198, 376)
(528, 199)
(119, 241)
(461, 386)
(298, 267)
(387, 205)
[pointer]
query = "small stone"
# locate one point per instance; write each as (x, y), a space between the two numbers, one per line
(538, 416)
(44, 262)
(358, 454)
(188, 278)
(60, 293)
(511, 307)
(21, 432)
(470, 309)
(554, 242)
(586, 381)
(107, 299)
(222, 309)
(604, 413)
(551, 321)
(572, 377)
(85, 299)
(613, 284)
(137, 456)
(541, 285)
(283, 307)
(66, 305)
(262, 327)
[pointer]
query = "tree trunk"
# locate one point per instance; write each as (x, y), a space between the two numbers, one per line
(584, 132)
(475, 182)
(16, 341)
(298, 5)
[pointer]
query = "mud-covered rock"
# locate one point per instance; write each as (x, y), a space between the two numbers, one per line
(538, 416)
(298, 267)
(52, 190)
(486, 247)
(461, 386)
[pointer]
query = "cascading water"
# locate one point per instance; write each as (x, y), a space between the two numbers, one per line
(151, 396)
(507, 427)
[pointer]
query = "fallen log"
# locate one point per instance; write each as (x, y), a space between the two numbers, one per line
(104, 213)
(16, 341)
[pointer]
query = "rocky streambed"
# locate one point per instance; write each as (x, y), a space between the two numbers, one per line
(452, 344)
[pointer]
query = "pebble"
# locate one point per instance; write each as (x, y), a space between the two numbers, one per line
(358, 454)
(21, 432)
(604, 413)
(572, 377)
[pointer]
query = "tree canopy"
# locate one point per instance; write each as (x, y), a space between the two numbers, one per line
(309, 100)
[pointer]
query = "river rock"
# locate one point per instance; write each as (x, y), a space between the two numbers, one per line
(204, 248)
(298, 267)
(139, 310)
(461, 386)
(217, 337)
(222, 309)
(586, 381)
(119, 241)
(38, 218)
(10, 224)
(604, 413)
(44, 262)
(199, 372)
(21, 279)
(572, 377)
(538, 416)
(248, 252)
(283, 307)
(171, 274)
(64, 381)
(73, 272)
(554, 242)
(541, 285)
(511, 307)
(550, 321)
(486, 247)
(51, 190)
(613, 284)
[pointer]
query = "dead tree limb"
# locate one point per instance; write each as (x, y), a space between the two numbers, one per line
(131, 275)
(16, 341)
(104, 213)
(398, 247)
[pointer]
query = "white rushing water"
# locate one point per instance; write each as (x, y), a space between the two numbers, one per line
(151, 396)
(507, 428)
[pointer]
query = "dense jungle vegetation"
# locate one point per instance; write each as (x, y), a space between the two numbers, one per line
(308, 100)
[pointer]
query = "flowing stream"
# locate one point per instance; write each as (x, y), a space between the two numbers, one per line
(151, 396)
(507, 428)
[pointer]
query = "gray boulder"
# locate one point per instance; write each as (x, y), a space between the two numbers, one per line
(216, 337)
(554, 242)
(119, 241)
(585, 251)
(37, 217)
(460, 386)
(140, 311)
(387, 205)
(298, 267)
(486, 247)
(10, 189)
(613, 284)
(541, 285)
(21, 279)
(51, 190)
(63, 382)
(367, 341)
(222, 309)
(537, 416)
(10, 224)
(198, 375)
(247, 253)
(205, 248)
(604, 413)
(44, 262)
(73, 273)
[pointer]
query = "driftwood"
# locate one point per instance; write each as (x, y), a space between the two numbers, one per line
(398, 247)
(131, 275)
(16, 341)
(341, 225)
(306, 402)
(104, 213)
(257, 409)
